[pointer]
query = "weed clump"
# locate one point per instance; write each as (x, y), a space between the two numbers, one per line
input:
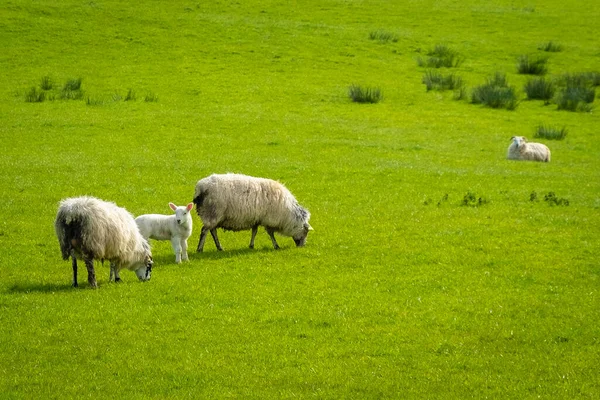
(131, 96)
(441, 56)
(495, 93)
(551, 47)
(359, 94)
(540, 89)
(46, 83)
(470, 199)
(551, 133)
(72, 90)
(532, 65)
(151, 98)
(35, 96)
(383, 36)
(576, 98)
(554, 200)
(434, 80)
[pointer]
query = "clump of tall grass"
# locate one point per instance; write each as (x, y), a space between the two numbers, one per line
(441, 56)
(551, 47)
(576, 98)
(495, 93)
(540, 89)
(359, 94)
(550, 133)
(580, 79)
(383, 36)
(93, 101)
(72, 90)
(131, 96)
(533, 65)
(470, 199)
(434, 80)
(34, 95)
(46, 83)
(150, 98)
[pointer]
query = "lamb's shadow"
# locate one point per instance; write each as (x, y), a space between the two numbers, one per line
(35, 287)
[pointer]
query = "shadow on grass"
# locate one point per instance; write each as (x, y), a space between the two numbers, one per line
(30, 287)
(218, 255)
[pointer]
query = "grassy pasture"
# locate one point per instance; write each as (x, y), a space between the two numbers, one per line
(402, 290)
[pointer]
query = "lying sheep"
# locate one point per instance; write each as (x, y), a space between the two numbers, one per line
(520, 149)
(239, 202)
(177, 228)
(89, 228)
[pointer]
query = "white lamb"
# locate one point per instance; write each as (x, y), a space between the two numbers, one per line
(90, 228)
(520, 149)
(177, 228)
(239, 202)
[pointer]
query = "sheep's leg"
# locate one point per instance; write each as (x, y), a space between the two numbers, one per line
(184, 247)
(203, 233)
(254, 230)
(89, 263)
(175, 243)
(74, 271)
(213, 232)
(271, 233)
(114, 273)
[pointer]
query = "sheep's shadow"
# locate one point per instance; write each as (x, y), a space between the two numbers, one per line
(29, 287)
(218, 255)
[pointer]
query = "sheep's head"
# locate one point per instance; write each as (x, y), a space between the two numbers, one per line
(300, 239)
(182, 214)
(144, 272)
(518, 141)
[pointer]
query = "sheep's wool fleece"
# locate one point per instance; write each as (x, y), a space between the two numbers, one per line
(107, 231)
(238, 202)
(528, 151)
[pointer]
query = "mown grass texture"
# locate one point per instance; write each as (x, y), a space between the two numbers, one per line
(410, 286)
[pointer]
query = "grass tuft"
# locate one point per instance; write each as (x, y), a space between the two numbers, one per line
(383, 36)
(495, 93)
(551, 47)
(131, 96)
(91, 101)
(72, 85)
(554, 200)
(533, 65)
(46, 83)
(434, 80)
(551, 133)
(578, 94)
(470, 199)
(34, 95)
(540, 89)
(441, 56)
(359, 94)
(72, 90)
(151, 98)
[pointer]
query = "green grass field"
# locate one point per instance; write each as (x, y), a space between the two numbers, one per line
(437, 268)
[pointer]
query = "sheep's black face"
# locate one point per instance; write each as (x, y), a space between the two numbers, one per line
(144, 273)
(301, 239)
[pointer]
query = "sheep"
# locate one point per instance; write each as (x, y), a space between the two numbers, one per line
(177, 228)
(520, 149)
(239, 202)
(89, 228)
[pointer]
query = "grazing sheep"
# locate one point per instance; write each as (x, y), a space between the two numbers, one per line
(520, 149)
(239, 202)
(89, 228)
(177, 228)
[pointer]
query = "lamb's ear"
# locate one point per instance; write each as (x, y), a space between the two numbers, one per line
(307, 226)
(173, 206)
(512, 138)
(190, 206)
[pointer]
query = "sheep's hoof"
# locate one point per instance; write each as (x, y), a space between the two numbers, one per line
(75, 284)
(276, 247)
(251, 246)
(118, 280)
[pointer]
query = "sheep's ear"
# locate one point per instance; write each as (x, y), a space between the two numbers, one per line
(524, 139)
(307, 226)
(173, 206)
(512, 138)
(190, 206)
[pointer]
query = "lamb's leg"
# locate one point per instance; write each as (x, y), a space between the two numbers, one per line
(89, 263)
(272, 235)
(176, 248)
(184, 246)
(74, 271)
(213, 232)
(203, 233)
(254, 230)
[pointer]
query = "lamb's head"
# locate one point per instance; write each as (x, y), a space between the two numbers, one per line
(518, 141)
(182, 214)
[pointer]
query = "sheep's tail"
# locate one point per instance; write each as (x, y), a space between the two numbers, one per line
(69, 235)
(201, 194)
